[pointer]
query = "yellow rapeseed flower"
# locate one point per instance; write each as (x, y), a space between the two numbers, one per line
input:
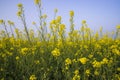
(96, 73)
(87, 71)
(97, 46)
(16, 30)
(74, 60)
(37, 1)
(118, 69)
(32, 77)
(17, 57)
(76, 77)
(83, 21)
(83, 60)
(97, 35)
(117, 76)
(24, 51)
(66, 67)
(3, 55)
(1, 21)
(76, 72)
(96, 64)
(1, 69)
(52, 22)
(58, 19)
(10, 53)
(113, 46)
(104, 61)
(10, 22)
(82, 28)
(118, 26)
(19, 13)
(116, 51)
(68, 61)
(37, 62)
(55, 10)
(71, 13)
(62, 27)
(45, 16)
(33, 23)
(56, 52)
(2, 79)
(20, 5)
(90, 55)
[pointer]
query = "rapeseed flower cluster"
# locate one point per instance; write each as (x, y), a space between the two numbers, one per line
(24, 51)
(83, 60)
(96, 64)
(32, 77)
(37, 1)
(105, 61)
(56, 52)
(1, 21)
(71, 13)
(68, 61)
(76, 75)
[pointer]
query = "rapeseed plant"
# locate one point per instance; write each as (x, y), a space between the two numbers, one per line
(58, 54)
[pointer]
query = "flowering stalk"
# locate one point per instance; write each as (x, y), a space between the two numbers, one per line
(84, 26)
(44, 28)
(117, 31)
(42, 19)
(71, 23)
(101, 30)
(11, 24)
(17, 33)
(3, 22)
(22, 16)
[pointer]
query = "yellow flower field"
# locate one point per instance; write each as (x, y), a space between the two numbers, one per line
(58, 54)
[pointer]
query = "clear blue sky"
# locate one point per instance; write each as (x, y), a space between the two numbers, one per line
(97, 13)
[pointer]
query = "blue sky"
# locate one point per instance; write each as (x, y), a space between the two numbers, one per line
(97, 13)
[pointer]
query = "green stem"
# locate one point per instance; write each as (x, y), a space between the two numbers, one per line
(11, 31)
(6, 30)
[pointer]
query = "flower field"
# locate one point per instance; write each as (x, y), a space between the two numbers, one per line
(53, 53)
